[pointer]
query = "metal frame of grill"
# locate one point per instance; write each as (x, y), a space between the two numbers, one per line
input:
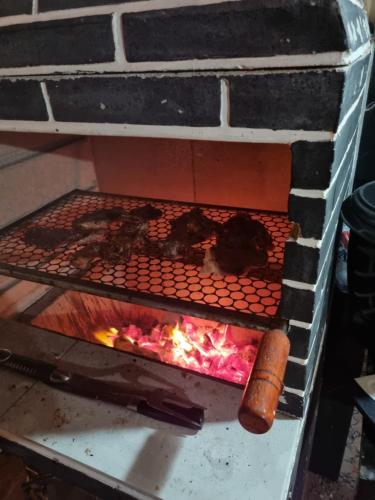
(248, 301)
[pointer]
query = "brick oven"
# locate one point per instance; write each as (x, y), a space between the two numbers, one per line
(256, 105)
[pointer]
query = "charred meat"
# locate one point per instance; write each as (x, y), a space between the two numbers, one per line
(177, 251)
(130, 239)
(192, 227)
(147, 212)
(46, 238)
(133, 226)
(242, 243)
(100, 219)
(84, 258)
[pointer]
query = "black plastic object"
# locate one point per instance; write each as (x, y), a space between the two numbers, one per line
(358, 212)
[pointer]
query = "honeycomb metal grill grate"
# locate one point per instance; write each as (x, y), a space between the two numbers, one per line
(243, 300)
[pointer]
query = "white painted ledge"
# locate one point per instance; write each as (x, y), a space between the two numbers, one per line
(229, 134)
(126, 450)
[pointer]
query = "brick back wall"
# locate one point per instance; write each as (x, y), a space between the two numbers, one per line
(235, 174)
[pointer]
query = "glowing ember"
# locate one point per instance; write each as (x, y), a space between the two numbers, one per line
(210, 350)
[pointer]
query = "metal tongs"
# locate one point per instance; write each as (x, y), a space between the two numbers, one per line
(156, 403)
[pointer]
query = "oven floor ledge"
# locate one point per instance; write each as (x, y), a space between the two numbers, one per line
(125, 450)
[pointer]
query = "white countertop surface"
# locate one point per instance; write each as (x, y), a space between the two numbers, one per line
(129, 451)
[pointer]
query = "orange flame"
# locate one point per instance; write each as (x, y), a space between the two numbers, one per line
(207, 350)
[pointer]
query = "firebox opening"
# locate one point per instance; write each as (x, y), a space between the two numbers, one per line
(210, 348)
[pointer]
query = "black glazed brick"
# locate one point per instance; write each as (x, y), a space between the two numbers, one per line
(297, 304)
(301, 262)
(21, 100)
(234, 29)
(309, 213)
(300, 341)
(193, 101)
(15, 7)
(45, 5)
(311, 164)
(82, 40)
(292, 404)
(295, 375)
(307, 100)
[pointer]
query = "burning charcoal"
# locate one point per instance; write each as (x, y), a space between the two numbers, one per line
(83, 258)
(147, 212)
(100, 219)
(242, 243)
(192, 227)
(46, 238)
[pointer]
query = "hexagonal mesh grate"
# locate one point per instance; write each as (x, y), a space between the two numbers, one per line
(171, 285)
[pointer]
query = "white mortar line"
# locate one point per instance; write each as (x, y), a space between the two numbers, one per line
(300, 324)
(357, 3)
(337, 201)
(71, 70)
(297, 392)
(300, 285)
(309, 193)
(298, 361)
(322, 59)
(35, 7)
(349, 113)
(224, 103)
(265, 136)
(47, 102)
(118, 39)
(307, 242)
(232, 63)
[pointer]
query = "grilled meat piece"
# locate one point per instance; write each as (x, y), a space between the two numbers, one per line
(117, 250)
(45, 237)
(100, 219)
(84, 258)
(93, 237)
(132, 226)
(147, 212)
(131, 238)
(192, 227)
(242, 243)
(174, 250)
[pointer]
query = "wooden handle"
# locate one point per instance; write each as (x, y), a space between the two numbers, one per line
(262, 392)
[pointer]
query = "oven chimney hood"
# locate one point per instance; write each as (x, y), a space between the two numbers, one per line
(251, 70)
